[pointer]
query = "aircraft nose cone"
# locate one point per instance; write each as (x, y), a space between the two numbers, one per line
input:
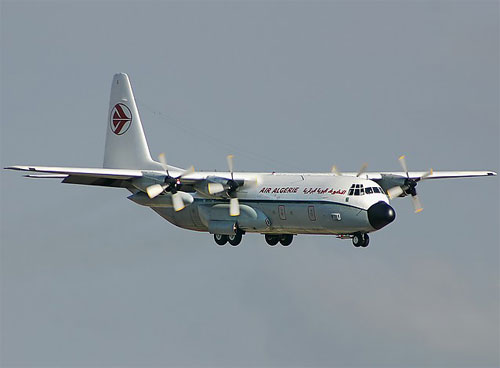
(380, 214)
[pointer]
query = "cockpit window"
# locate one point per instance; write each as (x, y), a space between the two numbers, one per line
(358, 190)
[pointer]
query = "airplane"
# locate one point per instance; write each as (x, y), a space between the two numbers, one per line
(231, 204)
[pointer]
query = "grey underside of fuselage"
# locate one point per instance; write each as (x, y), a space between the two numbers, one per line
(284, 217)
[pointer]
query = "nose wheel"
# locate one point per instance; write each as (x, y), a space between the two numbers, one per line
(360, 240)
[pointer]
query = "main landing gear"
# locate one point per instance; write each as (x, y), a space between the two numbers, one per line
(360, 240)
(234, 240)
(284, 239)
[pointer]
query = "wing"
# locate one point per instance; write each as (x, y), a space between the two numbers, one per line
(81, 175)
(417, 174)
(124, 178)
(399, 184)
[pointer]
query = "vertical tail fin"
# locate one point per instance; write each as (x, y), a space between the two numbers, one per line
(126, 145)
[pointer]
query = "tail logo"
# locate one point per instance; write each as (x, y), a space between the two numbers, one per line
(120, 119)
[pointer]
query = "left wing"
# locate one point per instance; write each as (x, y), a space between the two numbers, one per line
(418, 174)
(403, 183)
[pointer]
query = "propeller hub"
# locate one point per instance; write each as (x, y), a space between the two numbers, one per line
(410, 186)
(233, 185)
(380, 214)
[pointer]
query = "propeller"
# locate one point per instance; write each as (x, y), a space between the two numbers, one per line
(408, 188)
(215, 188)
(362, 169)
(171, 184)
(337, 172)
(234, 204)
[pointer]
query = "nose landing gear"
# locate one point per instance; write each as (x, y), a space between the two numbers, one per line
(360, 240)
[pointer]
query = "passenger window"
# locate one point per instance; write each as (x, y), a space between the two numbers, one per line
(369, 190)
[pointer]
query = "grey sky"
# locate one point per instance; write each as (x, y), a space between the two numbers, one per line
(90, 279)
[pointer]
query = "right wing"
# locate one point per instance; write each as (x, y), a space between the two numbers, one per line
(80, 175)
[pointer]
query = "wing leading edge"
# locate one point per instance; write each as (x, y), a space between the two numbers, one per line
(418, 174)
(81, 175)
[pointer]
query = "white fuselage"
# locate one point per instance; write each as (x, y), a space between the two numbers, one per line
(283, 203)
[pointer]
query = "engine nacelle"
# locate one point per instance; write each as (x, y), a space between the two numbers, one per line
(250, 219)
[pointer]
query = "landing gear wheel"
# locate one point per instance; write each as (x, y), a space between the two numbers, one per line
(235, 239)
(220, 239)
(286, 239)
(357, 239)
(366, 242)
(360, 240)
(272, 240)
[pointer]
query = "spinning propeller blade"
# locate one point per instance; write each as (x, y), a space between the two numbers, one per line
(163, 161)
(171, 184)
(416, 203)
(362, 169)
(402, 161)
(409, 186)
(395, 192)
(177, 202)
(234, 204)
(234, 207)
(215, 188)
(230, 164)
(336, 171)
(155, 190)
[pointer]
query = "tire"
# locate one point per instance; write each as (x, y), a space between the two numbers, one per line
(366, 241)
(220, 239)
(272, 240)
(357, 240)
(235, 239)
(286, 240)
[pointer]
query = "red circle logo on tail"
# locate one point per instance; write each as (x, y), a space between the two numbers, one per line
(120, 119)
